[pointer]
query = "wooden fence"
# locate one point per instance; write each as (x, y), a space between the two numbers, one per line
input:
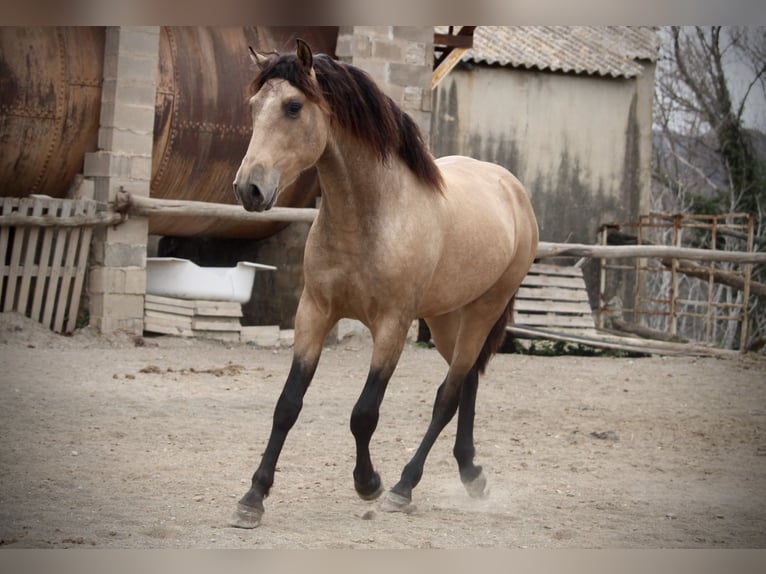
(44, 263)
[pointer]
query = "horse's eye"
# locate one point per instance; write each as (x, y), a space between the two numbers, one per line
(293, 109)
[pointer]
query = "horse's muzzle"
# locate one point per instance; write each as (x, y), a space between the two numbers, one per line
(253, 198)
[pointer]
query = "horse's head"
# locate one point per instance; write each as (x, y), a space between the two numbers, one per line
(290, 127)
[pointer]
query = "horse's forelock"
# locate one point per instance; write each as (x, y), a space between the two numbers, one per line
(286, 67)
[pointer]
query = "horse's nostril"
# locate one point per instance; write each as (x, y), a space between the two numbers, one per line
(254, 192)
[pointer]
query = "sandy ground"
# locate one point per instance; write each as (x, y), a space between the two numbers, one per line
(110, 444)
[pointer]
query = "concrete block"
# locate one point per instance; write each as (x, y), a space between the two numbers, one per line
(120, 139)
(348, 327)
(117, 280)
(140, 40)
(261, 335)
(412, 98)
(134, 280)
(127, 116)
(122, 255)
(386, 50)
(106, 164)
(117, 306)
(140, 167)
(361, 47)
(133, 92)
(419, 34)
(124, 306)
(130, 67)
(134, 231)
(415, 53)
(378, 70)
(410, 75)
(134, 325)
(344, 48)
(287, 337)
(374, 31)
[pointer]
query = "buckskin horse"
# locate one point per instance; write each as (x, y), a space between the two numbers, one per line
(365, 257)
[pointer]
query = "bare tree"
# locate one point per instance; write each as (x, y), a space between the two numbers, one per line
(706, 160)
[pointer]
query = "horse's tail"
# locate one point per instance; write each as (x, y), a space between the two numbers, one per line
(495, 338)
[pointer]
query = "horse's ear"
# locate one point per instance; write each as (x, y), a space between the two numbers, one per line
(256, 58)
(305, 57)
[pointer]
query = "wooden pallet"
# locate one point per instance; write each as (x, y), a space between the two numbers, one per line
(554, 297)
(43, 267)
(193, 318)
(552, 303)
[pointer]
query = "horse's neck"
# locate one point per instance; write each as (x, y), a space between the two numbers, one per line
(355, 183)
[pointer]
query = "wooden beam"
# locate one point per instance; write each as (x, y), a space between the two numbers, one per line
(453, 40)
(150, 206)
(545, 250)
(447, 64)
(77, 220)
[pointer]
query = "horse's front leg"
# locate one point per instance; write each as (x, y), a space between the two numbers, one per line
(388, 342)
(311, 328)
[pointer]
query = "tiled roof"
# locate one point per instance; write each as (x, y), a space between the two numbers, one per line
(600, 50)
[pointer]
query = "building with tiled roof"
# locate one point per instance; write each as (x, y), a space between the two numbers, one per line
(615, 51)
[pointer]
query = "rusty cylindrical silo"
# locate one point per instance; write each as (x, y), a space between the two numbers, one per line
(50, 96)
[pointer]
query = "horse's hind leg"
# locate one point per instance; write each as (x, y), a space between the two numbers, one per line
(470, 474)
(444, 332)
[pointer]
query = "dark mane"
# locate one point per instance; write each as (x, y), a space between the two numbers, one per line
(360, 107)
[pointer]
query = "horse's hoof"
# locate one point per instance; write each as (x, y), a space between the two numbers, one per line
(477, 488)
(372, 495)
(246, 517)
(394, 502)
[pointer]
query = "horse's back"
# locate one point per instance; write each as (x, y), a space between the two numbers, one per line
(489, 190)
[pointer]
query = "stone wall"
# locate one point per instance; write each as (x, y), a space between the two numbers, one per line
(399, 59)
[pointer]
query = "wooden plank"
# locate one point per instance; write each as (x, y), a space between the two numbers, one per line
(555, 307)
(171, 301)
(621, 343)
(551, 294)
(197, 306)
(447, 64)
(548, 269)
(168, 319)
(170, 309)
(14, 265)
(43, 266)
(29, 259)
(87, 220)
(54, 286)
(552, 320)
(154, 326)
(218, 308)
(553, 281)
(68, 270)
(6, 205)
(227, 336)
(81, 264)
(215, 324)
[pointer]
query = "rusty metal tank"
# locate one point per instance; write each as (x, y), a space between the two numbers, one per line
(50, 97)
(50, 94)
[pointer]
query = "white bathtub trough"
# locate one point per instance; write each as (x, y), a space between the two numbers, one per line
(174, 277)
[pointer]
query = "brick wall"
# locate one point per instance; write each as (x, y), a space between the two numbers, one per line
(117, 277)
(400, 60)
